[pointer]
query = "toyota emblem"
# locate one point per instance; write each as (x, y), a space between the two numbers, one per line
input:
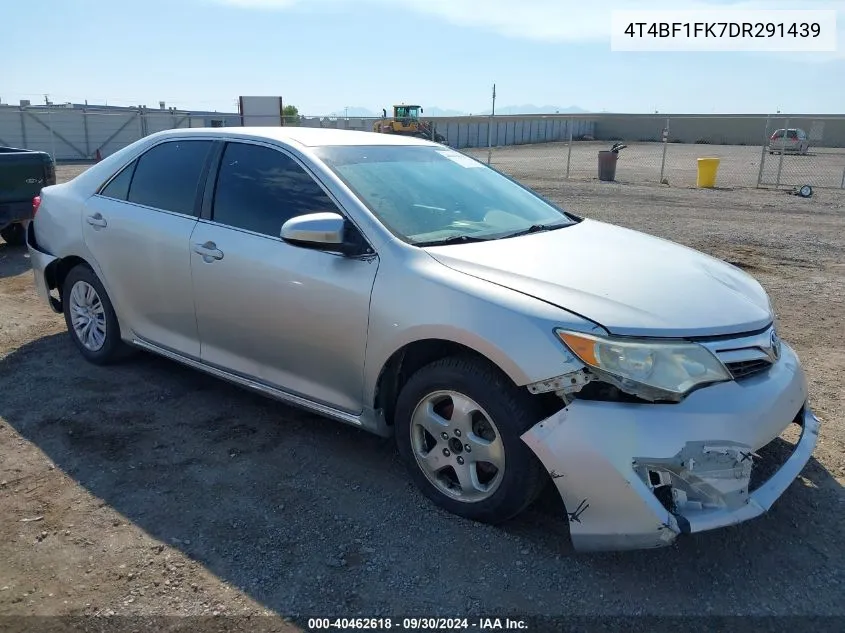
(774, 342)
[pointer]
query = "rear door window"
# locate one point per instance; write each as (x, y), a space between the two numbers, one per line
(260, 188)
(167, 176)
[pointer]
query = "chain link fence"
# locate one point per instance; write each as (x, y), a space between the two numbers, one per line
(754, 151)
(781, 152)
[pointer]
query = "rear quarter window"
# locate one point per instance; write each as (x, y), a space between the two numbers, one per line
(118, 187)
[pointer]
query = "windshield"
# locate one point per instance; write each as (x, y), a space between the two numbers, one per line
(427, 195)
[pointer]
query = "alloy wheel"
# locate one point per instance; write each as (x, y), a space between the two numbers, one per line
(88, 316)
(457, 446)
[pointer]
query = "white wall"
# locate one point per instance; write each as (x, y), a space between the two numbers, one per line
(261, 111)
(77, 134)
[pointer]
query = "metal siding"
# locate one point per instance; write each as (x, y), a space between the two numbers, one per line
(11, 133)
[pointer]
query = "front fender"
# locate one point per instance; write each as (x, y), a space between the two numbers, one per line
(427, 301)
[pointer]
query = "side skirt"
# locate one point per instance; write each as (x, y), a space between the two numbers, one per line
(369, 420)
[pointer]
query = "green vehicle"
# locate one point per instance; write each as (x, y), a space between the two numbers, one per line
(23, 173)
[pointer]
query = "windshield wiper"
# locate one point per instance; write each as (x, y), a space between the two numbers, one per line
(455, 239)
(535, 228)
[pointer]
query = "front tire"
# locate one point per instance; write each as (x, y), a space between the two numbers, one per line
(458, 427)
(90, 317)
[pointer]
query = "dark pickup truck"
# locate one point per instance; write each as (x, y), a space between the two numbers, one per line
(22, 175)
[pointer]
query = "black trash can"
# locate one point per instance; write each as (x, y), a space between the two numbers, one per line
(607, 165)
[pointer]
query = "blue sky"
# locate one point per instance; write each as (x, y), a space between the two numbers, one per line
(322, 55)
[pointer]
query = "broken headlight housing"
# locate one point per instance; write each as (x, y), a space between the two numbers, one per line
(659, 370)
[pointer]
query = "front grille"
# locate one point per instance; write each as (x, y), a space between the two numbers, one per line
(745, 368)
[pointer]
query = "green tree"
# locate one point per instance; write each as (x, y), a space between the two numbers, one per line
(291, 114)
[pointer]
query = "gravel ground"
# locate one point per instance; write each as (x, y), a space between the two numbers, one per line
(641, 162)
(149, 488)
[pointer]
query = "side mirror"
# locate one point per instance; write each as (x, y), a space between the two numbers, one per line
(324, 231)
(421, 110)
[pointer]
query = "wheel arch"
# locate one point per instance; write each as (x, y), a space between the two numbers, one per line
(56, 273)
(414, 355)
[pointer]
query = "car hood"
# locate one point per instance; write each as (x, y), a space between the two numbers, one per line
(630, 283)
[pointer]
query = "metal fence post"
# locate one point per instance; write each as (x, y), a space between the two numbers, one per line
(665, 145)
(763, 152)
(842, 186)
(569, 124)
(489, 138)
(52, 136)
(23, 127)
(782, 152)
(140, 124)
(85, 128)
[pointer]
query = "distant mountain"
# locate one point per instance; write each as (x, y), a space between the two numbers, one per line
(366, 113)
(434, 111)
(532, 109)
(356, 112)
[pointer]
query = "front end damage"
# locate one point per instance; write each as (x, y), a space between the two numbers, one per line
(635, 475)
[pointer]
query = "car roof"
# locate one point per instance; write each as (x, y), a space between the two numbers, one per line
(307, 136)
(89, 180)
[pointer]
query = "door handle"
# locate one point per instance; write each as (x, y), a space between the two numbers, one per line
(96, 220)
(209, 251)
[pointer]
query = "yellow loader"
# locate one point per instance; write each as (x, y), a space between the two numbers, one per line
(406, 121)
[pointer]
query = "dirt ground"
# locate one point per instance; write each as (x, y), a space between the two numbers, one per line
(149, 488)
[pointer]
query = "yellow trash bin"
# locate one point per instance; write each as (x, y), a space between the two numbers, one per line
(707, 168)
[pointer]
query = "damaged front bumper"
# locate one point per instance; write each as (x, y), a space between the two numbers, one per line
(636, 476)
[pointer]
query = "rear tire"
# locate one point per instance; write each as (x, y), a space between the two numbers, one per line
(90, 318)
(14, 234)
(499, 476)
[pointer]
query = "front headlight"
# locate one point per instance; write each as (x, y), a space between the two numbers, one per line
(774, 315)
(673, 367)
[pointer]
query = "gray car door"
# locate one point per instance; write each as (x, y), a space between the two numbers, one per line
(290, 317)
(138, 229)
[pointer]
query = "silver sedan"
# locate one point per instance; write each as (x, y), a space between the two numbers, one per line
(402, 287)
